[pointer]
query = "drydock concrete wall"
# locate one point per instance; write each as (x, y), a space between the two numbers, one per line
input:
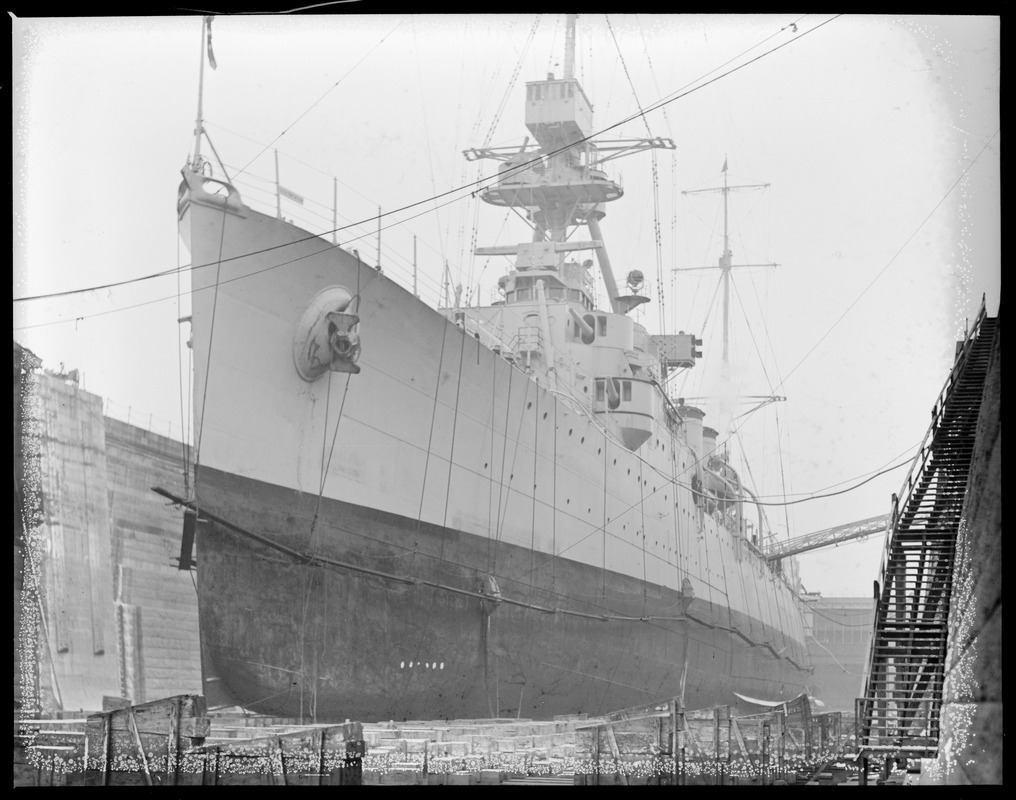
(119, 619)
(79, 634)
(156, 603)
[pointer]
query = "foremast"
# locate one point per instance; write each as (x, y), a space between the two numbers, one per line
(560, 183)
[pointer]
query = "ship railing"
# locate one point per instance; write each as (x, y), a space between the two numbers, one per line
(532, 172)
(270, 197)
(576, 273)
(492, 340)
(529, 339)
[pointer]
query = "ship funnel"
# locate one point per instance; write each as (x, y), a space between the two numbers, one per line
(693, 427)
(709, 442)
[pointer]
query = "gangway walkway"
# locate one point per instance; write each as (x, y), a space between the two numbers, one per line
(898, 716)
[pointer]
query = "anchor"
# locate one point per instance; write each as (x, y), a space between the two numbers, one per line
(327, 335)
(343, 342)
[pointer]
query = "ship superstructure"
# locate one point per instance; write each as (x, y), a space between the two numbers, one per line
(469, 511)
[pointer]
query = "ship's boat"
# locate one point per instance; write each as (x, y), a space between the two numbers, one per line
(409, 512)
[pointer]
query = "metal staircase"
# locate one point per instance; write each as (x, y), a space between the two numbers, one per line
(898, 716)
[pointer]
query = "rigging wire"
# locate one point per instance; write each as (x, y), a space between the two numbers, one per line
(895, 255)
(667, 481)
(343, 397)
(853, 674)
(426, 628)
(656, 183)
(656, 200)
(211, 339)
(271, 181)
(323, 96)
(503, 512)
(884, 471)
(179, 375)
(854, 613)
(426, 139)
(474, 186)
(652, 621)
(903, 452)
(495, 120)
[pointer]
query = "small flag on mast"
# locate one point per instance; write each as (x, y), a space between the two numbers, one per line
(724, 158)
(211, 55)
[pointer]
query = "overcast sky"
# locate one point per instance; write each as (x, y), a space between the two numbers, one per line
(878, 137)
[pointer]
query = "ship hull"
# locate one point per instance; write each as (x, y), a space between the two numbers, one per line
(406, 494)
(372, 631)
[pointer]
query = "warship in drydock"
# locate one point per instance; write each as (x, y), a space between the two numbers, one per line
(408, 512)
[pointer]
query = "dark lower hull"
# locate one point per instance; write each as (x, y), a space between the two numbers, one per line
(332, 641)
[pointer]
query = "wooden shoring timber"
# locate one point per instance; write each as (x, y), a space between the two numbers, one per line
(722, 722)
(691, 741)
(321, 736)
(173, 741)
(703, 738)
(745, 752)
(663, 709)
(133, 725)
(829, 726)
(741, 746)
(315, 739)
(282, 763)
(162, 726)
(713, 725)
(799, 707)
(638, 732)
(106, 742)
(612, 743)
(315, 755)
